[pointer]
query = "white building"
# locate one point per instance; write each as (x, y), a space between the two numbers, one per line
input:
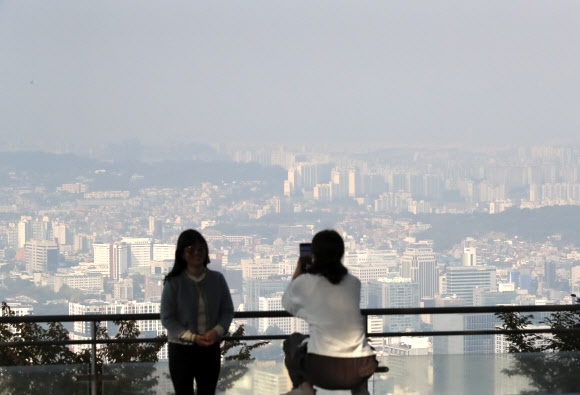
(113, 255)
(148, 328)
(285, 324)
(90, 282)
(395, 293)
(41, 256)
(162, 252)
(140, 250)
(387, 258)
(469, 256)
(463, 280)
(420, 265)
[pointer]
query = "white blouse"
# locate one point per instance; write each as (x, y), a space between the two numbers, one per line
(332, 312)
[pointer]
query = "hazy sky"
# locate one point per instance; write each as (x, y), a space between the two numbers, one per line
(404, 72)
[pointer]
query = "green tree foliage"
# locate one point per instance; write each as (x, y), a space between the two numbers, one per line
(552, 366)
(237, 356)
(121, 357)
(122, 367)
(20, 367)
(519, 342)
(24, 370)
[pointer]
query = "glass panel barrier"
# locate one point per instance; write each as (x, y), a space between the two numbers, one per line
(485, 374)
(44, 380)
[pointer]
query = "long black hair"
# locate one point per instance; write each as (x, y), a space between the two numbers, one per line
(327, 253)
(186, 238)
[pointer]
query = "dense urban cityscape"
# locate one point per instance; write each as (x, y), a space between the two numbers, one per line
(100, 239)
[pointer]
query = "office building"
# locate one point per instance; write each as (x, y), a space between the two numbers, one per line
(395, 292)
(115, 256)
(148, 328)
(88, 282)
(140, 250)
(462, 281)
(162, 252)
(41, 256)
(419, 264)
(469, 257)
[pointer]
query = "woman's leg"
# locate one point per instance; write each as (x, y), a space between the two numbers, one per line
(180, 368)
(207, 368)
(294, 355)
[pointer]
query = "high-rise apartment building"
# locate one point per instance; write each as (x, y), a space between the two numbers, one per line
(339, 181)
(41, 229)
(62, 234)
(353, 183)
(24, 231)
(273, 303)
(550, 277)
(323, 192)
(12, 235)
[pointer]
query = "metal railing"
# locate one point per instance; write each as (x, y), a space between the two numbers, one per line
(95, 319)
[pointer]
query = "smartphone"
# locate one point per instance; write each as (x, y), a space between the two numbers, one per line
(305, 257)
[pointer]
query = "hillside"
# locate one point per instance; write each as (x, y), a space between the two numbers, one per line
(532, 225)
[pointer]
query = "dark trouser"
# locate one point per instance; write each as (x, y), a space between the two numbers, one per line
(326, 372)
(188, 363)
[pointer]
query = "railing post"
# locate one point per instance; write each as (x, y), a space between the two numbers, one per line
(94, 357)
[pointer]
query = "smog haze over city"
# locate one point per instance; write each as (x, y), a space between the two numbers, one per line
(439, 138)
(443, 73)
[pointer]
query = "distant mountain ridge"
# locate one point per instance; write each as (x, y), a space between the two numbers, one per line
(52, 170)
(533, 225)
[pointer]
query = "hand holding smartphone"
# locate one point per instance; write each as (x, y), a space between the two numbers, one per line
(305, 256)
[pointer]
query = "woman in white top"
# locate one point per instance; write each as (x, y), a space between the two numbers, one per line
(327, 297)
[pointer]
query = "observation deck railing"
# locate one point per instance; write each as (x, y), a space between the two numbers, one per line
(96, 319)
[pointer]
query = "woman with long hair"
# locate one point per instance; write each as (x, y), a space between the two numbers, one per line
(196, 310)
(337, 354)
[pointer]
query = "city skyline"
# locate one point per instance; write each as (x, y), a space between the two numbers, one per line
(422, 228)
